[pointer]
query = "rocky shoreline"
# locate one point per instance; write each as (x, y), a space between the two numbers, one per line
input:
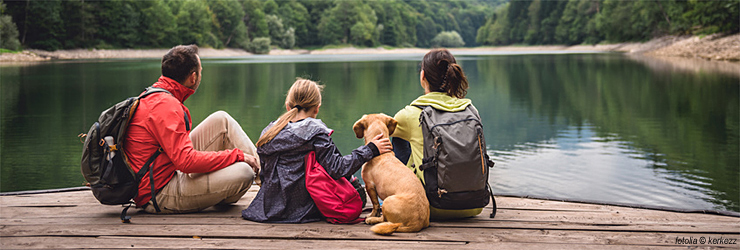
(713, 48)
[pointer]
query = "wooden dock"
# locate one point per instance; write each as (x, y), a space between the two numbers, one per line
(76, 220)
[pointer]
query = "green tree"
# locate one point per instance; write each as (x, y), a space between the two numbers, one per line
(80, 24)
(195, 24)
(8, 31)
(254, 19)
(295, 15)
(158, 24)
(119, 23)
(270, 7)
(285, 38)
(448, 39)
(396, 21)
(229, 15)
(316, 11)
(425, 31)
(39, 23)
(573, 27)
(496, 31)
(260, 45)
(714, 16)
(339, 22)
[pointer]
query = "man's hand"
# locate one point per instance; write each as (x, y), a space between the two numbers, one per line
(252, 161)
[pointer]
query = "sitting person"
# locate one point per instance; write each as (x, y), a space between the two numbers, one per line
(215, 163)
(445, 86)
(282, 148)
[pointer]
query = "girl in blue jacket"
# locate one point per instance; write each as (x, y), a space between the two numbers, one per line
(282, 147)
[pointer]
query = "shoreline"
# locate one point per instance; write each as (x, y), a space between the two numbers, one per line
(708, 50)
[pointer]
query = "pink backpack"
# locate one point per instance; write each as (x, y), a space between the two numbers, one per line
(337, 200)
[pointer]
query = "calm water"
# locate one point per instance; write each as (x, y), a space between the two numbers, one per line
(585, 126)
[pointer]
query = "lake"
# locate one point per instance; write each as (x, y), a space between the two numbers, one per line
(599, 127)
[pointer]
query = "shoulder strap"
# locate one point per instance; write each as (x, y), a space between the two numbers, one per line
(149, 167)
(152, 90)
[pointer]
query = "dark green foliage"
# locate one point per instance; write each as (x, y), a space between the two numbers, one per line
(8, 31)
(255, 19)
(295, 15)
(593, 21)
(260, 45)
(58, 24)
(157, 24)
(39, 23)
(230, 27)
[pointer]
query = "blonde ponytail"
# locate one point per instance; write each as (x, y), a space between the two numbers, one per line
(303, 95)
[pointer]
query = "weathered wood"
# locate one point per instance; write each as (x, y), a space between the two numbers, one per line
(77, 220)
(181, 243)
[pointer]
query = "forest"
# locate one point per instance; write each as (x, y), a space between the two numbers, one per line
(258, 26)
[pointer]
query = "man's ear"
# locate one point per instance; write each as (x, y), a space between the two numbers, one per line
(360, 127)
(191, 80)
(391, 123)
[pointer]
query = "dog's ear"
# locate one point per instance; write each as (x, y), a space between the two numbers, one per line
(359, 127)
(391, 123)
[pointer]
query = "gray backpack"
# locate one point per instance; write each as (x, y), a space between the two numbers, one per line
(455, 161)
(104, 164)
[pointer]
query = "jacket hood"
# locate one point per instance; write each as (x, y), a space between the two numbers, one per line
(294, 136)
(180, 92)
(442, 101)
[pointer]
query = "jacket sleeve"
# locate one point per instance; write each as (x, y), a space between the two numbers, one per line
(404, 125)
(167, 125)
(336, 165)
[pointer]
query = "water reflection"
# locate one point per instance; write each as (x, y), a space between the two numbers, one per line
(603, 128)
(588, 126)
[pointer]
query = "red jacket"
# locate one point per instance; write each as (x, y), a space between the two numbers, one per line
(159, 122)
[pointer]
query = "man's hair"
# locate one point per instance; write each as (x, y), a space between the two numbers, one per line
(180, 61)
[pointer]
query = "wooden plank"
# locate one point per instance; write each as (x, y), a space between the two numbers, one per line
(520, 219)
(602, 213)
(628, 219)
(432, 235)
(705, 228)
(77, 220)
(181, 243)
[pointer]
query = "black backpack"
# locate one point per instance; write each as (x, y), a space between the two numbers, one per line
(112, 180)
(455, 161)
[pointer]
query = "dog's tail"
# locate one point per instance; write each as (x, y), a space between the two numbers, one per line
(385, 228)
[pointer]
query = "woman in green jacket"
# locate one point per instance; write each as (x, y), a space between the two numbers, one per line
(445, 87)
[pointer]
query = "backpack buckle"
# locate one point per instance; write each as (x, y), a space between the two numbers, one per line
(440, 192)
(437, 142)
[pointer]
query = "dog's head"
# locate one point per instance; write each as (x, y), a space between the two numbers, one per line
(373, 124)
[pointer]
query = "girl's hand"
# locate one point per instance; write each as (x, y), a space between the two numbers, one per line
(252, 161)
(383, 144)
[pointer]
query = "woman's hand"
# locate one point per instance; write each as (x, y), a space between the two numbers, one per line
(383, 144)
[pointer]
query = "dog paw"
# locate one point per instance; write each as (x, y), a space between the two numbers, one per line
(373, 220)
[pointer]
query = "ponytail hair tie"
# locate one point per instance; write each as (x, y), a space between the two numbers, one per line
(298, 107)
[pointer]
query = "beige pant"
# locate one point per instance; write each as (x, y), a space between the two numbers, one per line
(187, 193)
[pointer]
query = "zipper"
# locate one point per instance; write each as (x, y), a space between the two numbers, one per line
(482, 158)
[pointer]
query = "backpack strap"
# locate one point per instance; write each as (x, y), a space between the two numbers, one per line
(493, 200)
(148, 167)
(139, 175)
(152, 90)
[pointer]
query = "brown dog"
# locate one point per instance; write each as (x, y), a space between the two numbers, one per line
(405, 205)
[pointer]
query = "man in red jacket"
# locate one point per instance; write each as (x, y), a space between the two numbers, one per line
(214, 163)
